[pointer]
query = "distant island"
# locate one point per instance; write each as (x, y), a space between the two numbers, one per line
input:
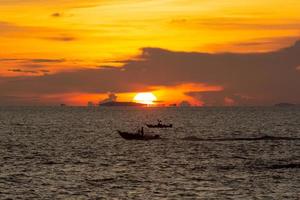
(125, 104)
(284, 104)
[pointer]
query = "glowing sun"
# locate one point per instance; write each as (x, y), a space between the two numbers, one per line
(145, 98)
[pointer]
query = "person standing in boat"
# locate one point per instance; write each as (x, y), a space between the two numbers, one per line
(142, 131)
(159, 122)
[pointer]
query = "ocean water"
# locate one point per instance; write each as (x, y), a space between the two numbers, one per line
(211, 153)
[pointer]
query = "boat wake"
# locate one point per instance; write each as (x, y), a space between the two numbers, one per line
(194, 138)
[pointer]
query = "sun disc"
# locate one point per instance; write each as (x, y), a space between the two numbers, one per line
(145, 98)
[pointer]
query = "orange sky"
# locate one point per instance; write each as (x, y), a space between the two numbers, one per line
(41, 37)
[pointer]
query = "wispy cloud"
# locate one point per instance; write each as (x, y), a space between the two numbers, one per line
(17, 31)
(240, 23)
(61, 38)
(36, 60)
(6, 27)
(45, 60)
(256, 44)
(23, 71)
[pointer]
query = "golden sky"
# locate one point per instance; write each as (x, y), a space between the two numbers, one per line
(40, 37)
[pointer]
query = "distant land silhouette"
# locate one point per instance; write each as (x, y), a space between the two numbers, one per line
(284, 104)
(125, 104)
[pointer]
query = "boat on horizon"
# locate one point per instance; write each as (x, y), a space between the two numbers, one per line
(159, 125)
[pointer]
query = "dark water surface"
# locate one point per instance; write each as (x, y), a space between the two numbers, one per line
(211, 153)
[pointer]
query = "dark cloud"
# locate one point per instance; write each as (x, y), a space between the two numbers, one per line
(9, 59)
(37, 60)
(31, 66)
(43, 71)
(107, 67)
(43, 60)
(61, 38)
(221, 98)
(273, 42)
(57, 14)
(248, 78)
(23, 71)
(112, 97)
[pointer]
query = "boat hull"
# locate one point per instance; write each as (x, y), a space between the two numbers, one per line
(137, 136)
(159, 126)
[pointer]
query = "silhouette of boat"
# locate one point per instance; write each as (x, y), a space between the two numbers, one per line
(159, 125)
(137, 136)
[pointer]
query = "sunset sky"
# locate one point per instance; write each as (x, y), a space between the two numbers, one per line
(75, 51)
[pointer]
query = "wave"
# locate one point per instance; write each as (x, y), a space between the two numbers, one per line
(285, 166)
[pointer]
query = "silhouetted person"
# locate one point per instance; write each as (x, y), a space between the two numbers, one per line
(142, 131)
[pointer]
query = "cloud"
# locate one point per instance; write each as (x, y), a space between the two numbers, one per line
(6, 27)
(111, 97)
(246, 79)
(61, 38)
(62, 3)
(237, 23)
(43, 71)
(57, 14)
(256, 45)
(35, 60)
(29, 66)
(10, 59)
(43, 60)
(38, 32)
(221, 98)
(23, 71)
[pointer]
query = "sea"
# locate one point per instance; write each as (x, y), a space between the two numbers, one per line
(210, 153)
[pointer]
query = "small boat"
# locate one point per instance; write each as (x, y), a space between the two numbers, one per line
(159, 125)
(137, 136)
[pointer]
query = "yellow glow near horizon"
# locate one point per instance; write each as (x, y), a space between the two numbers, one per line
(83, 34)
(145, 98)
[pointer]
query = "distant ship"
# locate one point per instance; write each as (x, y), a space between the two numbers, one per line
(125, 104)
(159, 125)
